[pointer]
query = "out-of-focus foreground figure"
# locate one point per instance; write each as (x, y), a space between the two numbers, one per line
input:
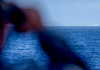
(62, 58)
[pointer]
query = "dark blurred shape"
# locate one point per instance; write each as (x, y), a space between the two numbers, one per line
(17, 17)
(1, 65)
(0, 29)
(58, 51)
(0, 16)
(12, 14)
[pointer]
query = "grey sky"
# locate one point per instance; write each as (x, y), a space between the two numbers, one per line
(66, 12)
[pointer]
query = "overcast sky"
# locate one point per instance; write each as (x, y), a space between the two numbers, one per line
(66, 12)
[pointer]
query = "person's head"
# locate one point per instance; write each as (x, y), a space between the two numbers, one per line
(23, 19)
(17, 17)
(12, 14)
(26, 19)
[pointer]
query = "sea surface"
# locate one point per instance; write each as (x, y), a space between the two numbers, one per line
(23, 50)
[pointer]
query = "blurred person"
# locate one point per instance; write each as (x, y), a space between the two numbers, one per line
(58, 51)
(51, 44)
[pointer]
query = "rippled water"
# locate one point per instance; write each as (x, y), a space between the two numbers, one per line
(23, 50)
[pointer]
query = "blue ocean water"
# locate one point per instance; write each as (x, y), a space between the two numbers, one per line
(23, 50)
